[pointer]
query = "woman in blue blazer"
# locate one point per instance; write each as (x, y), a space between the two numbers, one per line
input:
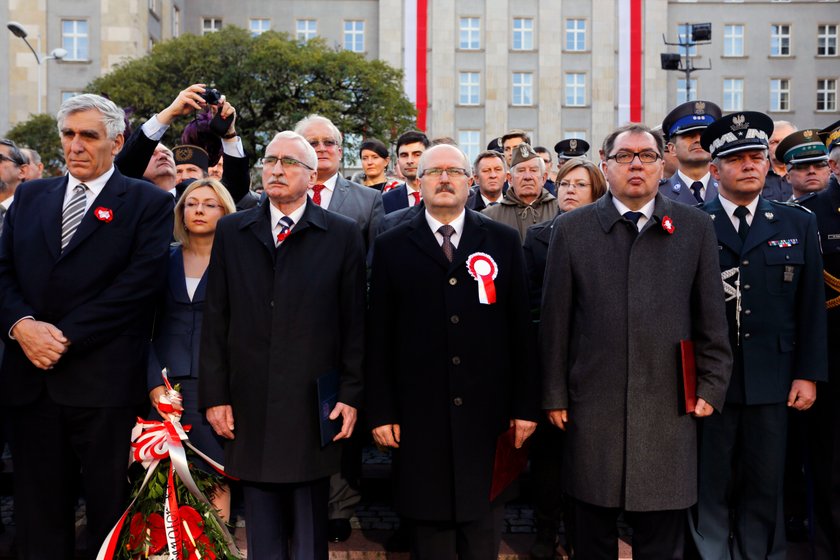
(175, 345)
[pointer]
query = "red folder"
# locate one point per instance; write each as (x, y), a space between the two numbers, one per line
(509, 462)
(689, 376)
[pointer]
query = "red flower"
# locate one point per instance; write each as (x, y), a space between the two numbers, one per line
(104, 214)
(668, 225)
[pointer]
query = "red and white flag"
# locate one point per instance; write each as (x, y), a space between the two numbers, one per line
(630, 75)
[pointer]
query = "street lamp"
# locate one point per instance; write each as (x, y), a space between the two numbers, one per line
(57, 54)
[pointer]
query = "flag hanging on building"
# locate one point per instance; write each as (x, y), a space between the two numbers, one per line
(630, 36)
(414, 56)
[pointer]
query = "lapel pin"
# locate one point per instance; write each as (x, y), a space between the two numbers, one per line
(483, 268)
(769, 215)
(668, 225)
(104, 214)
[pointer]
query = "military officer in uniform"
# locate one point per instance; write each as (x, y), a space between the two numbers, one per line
(772, 272)
(823, 420)
(806, 162)
(692, 183)
(569, 148)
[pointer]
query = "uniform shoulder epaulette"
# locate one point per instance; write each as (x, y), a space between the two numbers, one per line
(791, 204)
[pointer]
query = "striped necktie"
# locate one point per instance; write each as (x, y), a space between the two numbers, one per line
(285, 224)
(72, 214)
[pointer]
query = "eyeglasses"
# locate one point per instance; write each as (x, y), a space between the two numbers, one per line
(805, 166)
(206, 205)
(450, 171)
(4, 157)
(285, 161)
(580, 185)
(647, 156)
(325, 143)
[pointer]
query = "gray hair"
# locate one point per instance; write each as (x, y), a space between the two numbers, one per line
(305, 122)
(34, 157)
(421, 165)
(541, 164)
(834, 154)
(779, 124)
(311, 158)
(487, 154)
(112, 116)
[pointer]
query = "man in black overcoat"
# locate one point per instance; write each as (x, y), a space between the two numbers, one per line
(284, 307)
(437, 393)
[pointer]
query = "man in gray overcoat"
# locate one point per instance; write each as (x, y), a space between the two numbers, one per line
(627, 279)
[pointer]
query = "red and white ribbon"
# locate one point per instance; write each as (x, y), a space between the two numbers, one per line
(152, 441)
(483, 268)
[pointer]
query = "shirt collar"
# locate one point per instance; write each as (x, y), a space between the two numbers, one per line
(95, 186)
(276, 214)
(688, 181)
(457, 223)
(647, 209)
(329, 183)
(729, 206)
(8, 202)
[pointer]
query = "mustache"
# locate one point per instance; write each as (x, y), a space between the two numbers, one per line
(445, 188)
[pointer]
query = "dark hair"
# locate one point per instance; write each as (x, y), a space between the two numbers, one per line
(14, 152)
(411, 137)
(633, 128)
(599, 184)
(375, 146)
(444, 140)
(543, 150)
(487, 154)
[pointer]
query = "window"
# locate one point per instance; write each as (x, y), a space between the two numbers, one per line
(575, 90)
(684, 36)
(575, 34)
(523, 34)
(733, 40)
(306, 29)
(523, 89)
(780, 94)
(74, 38)
(354, 36)
(65, 95)
(826, 95)
(469, 88)
(733, 94)
(470, 142)
(470, 33)
(682, 94)
(211, 25)
(176, 21)
(259, 26)
(154, 7)
(827, 40)
(779, 40)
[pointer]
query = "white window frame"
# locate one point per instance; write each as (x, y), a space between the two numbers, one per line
(780, 101)
(258, 26)
(469, 33)
(469, 88)
(575, 35)
(827, 89)
(306, 29)
(827, 35)
(574, 89)
(681, 90)
(523, 33)
(733, 41)
(522, 94)
(210, 25)
(354, 36)
(733, 94)
(780, 39)
(76, 41)
(470, 142)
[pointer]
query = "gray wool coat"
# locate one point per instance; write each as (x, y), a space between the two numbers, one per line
(615, 307)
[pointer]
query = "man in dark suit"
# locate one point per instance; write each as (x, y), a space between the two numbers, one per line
(772, 271)
(441, 400)
(691, 183)
(265, 343)
(776, 185)
(331, 190)
(489, 173)
(82, 259)
(410, 146)
(610, 351)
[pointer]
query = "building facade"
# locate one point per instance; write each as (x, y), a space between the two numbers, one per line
(552, 68)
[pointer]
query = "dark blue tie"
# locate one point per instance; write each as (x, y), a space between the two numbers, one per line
(634, 218)
(697, 189)
(743, 227)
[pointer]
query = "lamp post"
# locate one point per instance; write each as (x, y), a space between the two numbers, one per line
(57, 54)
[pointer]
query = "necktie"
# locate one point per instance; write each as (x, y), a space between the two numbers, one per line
(72, 214)
(493, 204)
(448, 249)
(696, 188)
(416, 195)
(634, 218)
(743, 227)
(316, 193)
(285, 224)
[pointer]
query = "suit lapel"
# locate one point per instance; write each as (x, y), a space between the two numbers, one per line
(261, 227)
(50, 216)
(472, 239)
(177, 277)
(339, 194)
(764, 225)
(111, 198)
(711, 189)
(726, 233)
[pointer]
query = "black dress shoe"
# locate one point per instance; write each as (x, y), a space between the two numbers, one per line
(338, 530)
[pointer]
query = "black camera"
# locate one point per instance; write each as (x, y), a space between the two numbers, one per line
(211, 96)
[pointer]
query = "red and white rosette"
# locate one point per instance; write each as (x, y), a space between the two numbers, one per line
(483, 268)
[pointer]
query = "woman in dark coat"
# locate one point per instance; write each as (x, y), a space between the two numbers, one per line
(178, 327)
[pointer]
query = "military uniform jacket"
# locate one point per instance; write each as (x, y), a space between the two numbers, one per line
(676, 189)
(616, 305)
(826, 207)
(783, 329)
(448, 369)
(274, 321)
(512, 211)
